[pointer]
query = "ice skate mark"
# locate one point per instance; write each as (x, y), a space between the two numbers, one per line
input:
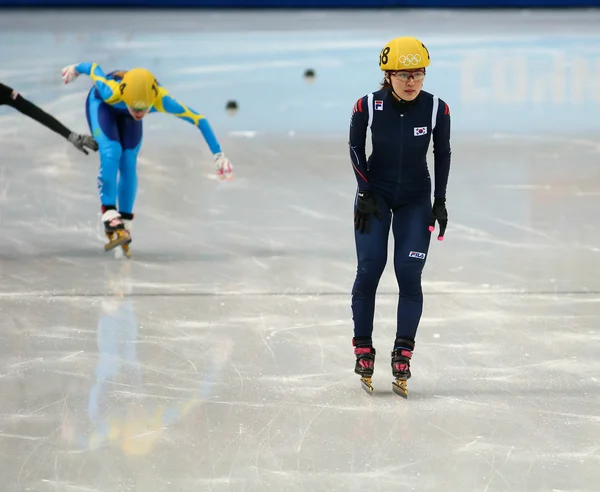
(310, 326)
(489, 463)
(314, 214)
(66, 487)
(525, 228)
(524, 187)
(239, 375)
(589, 418)
(299, 377)
(175, 353)
(260, 263)
(497, 472)
(67, 357)
(28, 457)
(552, 363)
(308, 427)
(17, 436)
(262, 334)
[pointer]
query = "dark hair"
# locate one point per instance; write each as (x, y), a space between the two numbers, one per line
(385, 83)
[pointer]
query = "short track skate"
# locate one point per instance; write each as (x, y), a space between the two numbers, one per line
(365, 363)
(401, 357)
(120, 237)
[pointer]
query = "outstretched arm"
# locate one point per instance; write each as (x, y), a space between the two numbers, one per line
(167, 104)
(12, 98)
(108, 89)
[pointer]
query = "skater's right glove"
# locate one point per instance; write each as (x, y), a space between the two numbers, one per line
(224, 167)
(366, 206)
(440, 214)
(69, 74)
(82, 141)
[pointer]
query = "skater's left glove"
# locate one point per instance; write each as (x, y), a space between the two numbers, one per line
(224, 167)
(440, 214)
(82, 141)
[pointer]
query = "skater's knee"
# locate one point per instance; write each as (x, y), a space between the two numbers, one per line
(409, 275)
(110, 152)
(128, 162)
(368, 274)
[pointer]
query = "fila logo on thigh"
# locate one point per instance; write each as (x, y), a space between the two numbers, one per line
(416, 254)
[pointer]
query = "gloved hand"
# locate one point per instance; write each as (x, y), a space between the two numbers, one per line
(440, 214)
(82, 141)
(69, 74)
(366, 206)
(224, 167)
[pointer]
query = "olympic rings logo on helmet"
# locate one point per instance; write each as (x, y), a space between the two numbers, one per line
(410, 59)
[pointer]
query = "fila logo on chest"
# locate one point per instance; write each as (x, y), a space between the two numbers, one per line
(420, 131)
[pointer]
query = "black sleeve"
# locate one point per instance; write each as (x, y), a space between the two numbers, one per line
(358, 136)
(11, 98)
(441, 150)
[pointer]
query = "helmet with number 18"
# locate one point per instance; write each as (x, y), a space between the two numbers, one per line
(404, 53)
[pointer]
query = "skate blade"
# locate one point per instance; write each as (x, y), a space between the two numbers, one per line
(366, 385)
(126, 250)
(399, 387)
(120, 239)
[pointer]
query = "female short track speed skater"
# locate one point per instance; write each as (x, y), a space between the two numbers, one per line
(115, 107)
(10, 97)
(394, 190)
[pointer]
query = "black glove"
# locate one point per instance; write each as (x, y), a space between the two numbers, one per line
(440, 214)
(82, 141)
(366, 206)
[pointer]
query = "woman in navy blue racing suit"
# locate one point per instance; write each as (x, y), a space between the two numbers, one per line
(394, 191)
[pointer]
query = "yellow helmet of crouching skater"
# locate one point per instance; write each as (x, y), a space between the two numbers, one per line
(139, 89)
(403, 53)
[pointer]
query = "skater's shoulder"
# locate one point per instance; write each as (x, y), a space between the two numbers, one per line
(364, 102)
(428, 96)
(116, 75)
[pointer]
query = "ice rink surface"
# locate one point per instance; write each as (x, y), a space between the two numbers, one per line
(218, 358)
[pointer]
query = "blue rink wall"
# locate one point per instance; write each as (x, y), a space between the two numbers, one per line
(302, 3)
(526, 85)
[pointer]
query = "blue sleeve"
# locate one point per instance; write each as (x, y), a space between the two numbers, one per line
(357, 142)
(170, 105)
(441, 150)
(108, 89)
(84, 68)
(209, 136)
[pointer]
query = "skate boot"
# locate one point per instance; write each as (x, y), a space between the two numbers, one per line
(401, 356)
(115, 230)
(365, 361)
(127, 219)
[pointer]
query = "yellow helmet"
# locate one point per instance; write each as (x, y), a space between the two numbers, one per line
(403, 54)
(139, 89)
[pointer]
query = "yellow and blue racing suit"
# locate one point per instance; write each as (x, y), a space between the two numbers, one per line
(119, 136)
